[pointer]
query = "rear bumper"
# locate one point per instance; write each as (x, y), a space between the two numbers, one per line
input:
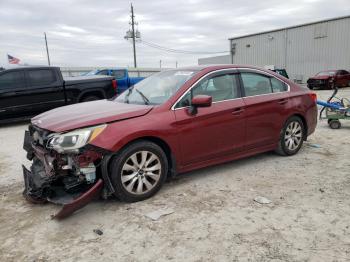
(311, 119)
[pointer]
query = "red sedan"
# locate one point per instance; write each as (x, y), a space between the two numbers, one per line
(329, 79)
(172, 122)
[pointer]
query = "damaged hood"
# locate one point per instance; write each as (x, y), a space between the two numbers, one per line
(88, 114)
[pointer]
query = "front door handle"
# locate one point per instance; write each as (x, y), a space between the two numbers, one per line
(283, 101)
(237, 111)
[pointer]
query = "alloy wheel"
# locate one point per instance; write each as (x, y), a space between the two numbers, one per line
(293, 135)
(141, 172)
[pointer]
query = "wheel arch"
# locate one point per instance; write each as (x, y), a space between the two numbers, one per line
(164, 146)
(98, 93)
(303, 119)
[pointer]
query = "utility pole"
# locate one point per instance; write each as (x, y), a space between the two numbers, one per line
(176, 64)
(232, 50)
(47, 50)
(133, 34)
(160, 63)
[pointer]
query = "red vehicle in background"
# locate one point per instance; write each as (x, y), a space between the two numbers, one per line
(328, 79)
(171, 122)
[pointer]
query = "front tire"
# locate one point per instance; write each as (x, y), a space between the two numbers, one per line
(291, 137)
(139, 171)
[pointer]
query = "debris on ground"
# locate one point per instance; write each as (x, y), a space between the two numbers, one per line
(155, 215)
(98, 232)
(314, 145)
(262, 200)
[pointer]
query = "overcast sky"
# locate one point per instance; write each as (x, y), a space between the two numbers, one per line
(91, 33)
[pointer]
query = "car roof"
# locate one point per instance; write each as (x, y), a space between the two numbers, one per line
(217, 67)
(29, 67)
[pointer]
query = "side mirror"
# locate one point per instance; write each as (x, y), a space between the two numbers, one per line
(200, 101)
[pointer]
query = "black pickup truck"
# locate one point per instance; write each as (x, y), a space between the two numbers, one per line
(28, 91)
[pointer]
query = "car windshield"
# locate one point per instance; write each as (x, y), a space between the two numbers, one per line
(326, 73)
(91, 73)
(156, 89)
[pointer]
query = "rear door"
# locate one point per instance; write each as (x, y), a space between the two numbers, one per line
(12, 103)
(214, 131)
(267, 102)
(44, 89)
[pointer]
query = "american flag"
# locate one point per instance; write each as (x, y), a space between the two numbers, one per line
(12, 60)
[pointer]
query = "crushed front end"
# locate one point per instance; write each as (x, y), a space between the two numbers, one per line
(65, 168)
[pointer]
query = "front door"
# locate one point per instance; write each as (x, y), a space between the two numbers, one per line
(216, 130)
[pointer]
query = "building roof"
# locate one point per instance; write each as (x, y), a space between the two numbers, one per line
(290, 27)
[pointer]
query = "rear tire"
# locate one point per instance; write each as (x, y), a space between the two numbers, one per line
(291, 137)
(90, 98)
(138, 171)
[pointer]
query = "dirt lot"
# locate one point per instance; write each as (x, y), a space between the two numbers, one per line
(214, 219)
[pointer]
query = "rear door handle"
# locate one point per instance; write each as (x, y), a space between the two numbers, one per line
(283, 101)
(237, 111)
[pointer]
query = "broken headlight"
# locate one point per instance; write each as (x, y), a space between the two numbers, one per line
(72, 141)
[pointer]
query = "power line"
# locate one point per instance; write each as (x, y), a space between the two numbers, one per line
(166, 49)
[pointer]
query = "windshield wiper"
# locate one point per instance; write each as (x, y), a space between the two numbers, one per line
(143, 97)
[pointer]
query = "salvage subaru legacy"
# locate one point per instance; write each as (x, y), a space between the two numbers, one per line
(172, 122)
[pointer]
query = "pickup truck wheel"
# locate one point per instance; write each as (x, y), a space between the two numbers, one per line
(138, 171)
(291, 137)
(90, 98)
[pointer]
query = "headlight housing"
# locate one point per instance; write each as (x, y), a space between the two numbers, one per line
(72, 141)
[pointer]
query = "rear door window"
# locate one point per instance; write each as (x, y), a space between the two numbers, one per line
(343, 72)
(278, 86)
(41, 77)
(13, 79)
(118, 74)
(256, 84)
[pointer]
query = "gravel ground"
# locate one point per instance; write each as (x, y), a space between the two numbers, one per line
(215, 217)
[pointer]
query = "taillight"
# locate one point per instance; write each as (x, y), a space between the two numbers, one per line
(114, 84)
(313, 96)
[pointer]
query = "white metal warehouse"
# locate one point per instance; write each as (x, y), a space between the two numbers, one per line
(302, 50)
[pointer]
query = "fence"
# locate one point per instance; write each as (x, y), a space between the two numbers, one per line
(133, 72)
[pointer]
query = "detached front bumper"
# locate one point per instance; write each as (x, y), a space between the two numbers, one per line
(69, 180)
